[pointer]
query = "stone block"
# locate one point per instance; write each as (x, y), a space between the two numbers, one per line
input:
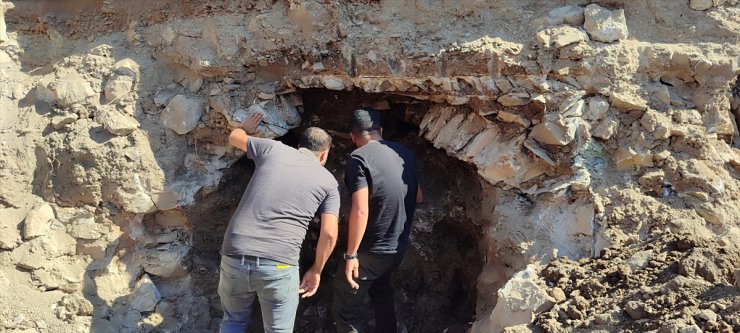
(605, 25)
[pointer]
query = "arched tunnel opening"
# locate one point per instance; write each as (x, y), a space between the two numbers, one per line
(435, 286)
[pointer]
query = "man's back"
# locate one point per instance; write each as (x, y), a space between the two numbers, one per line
(389, 170)
(287, 189)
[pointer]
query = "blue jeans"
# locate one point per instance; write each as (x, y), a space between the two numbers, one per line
(273, 283)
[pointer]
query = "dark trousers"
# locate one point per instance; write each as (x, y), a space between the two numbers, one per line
(375, 282)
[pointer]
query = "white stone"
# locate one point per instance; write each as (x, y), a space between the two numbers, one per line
(332, 83)
(136, 198)
(68, 90)
(145, 296)
(605, 25)
(518, 302)
(182, 114)
(639, 260)
(597, 108)
(550, 133)
(85, 227)
(114, 280)
(117, 87)
(605, 128)
(38, 222)
(118, 123)
(561, 36)
(700, 4)
(570, 14)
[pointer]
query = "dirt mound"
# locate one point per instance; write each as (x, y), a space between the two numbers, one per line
(669, 283)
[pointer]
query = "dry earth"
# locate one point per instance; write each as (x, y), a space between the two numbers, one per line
(581, 158)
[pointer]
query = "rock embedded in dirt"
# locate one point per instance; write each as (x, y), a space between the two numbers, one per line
(117, 123)
(182, 114)
(605, 25)
(145, 296)
(67, 90)
(118, 87)
(570, 14)
(38, 222)
(700, 4)
(561, 36)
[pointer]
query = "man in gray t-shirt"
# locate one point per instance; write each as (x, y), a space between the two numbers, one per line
(259, 255)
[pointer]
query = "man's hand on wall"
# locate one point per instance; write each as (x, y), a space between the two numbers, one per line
(251, 123)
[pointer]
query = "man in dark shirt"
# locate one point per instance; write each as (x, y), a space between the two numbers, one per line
(259, 255)
(383, 180)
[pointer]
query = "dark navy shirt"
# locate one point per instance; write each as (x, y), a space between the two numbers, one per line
(389, 171)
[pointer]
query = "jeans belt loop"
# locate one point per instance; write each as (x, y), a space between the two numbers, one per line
(242, 260)
(258, 261)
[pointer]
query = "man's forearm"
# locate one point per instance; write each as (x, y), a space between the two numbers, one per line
(357, 226)
(327, 241)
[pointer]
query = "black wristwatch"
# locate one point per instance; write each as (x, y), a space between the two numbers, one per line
(350, 256)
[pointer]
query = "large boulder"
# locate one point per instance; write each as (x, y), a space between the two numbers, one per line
(605, 25)
(518, 302)
(182, 114)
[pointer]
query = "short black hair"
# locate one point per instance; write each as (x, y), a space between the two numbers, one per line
(315, 140)
(365, 120)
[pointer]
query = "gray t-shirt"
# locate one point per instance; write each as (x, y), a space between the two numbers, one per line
(288, 188)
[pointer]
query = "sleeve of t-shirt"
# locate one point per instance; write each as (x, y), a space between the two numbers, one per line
(355, 174)
(258, 147)
(330, 205)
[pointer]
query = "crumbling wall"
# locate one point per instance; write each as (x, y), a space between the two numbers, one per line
(590, 125)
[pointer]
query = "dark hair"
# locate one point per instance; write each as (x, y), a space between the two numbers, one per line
(315, 140)
(365, 120)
